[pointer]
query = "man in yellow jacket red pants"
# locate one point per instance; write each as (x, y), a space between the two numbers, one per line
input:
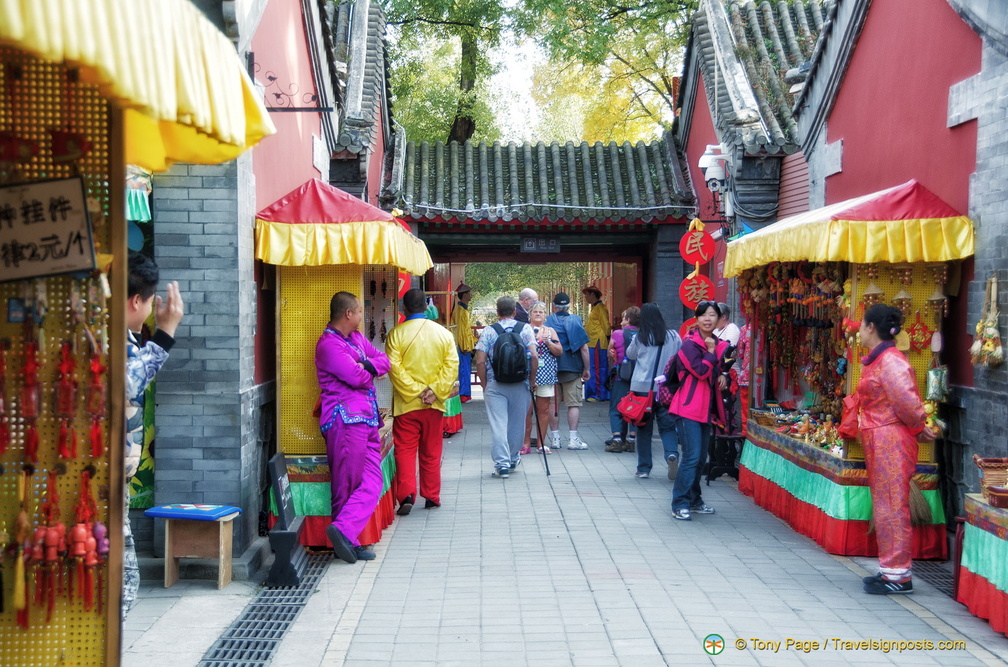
(424, 374)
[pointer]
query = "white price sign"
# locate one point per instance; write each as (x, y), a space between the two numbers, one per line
(44, 229)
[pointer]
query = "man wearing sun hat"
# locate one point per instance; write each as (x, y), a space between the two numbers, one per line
(599, 327)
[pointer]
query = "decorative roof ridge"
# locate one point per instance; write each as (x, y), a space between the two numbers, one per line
(740, 91)
(815, 62)
(366, 79)
(743, 51)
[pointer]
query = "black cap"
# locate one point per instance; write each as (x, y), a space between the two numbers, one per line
(561, 299)
(462, 288)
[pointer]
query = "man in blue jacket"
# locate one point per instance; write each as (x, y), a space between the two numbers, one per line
(572, 367)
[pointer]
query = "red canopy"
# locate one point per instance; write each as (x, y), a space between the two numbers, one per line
(318, 224)
(317, 202)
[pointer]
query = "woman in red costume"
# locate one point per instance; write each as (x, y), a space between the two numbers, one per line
(891, 422)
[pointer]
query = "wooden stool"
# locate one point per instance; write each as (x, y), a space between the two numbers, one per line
(197, 531)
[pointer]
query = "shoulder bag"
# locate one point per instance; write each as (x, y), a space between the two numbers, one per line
(636, 408)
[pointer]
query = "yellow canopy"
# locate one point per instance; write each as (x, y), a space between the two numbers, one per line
(906, 223)
(187, 96)
(320, 224)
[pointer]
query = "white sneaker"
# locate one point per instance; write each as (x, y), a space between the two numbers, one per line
(556, 444)
(576, 443)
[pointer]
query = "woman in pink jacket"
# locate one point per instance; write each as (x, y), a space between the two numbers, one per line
(700, 371)
(891, 421)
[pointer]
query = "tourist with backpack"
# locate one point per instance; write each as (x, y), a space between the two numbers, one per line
(624, 435)
(652, 348)
(572, 368)
(506, 364)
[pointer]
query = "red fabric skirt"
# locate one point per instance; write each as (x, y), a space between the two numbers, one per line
(836, 536)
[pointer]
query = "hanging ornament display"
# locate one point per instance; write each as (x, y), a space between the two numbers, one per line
(986, 349)
(919, 334)
(872, 294)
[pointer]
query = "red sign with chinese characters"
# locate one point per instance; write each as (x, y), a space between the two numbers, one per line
(696, 247)
(696, 289)
(686, 326)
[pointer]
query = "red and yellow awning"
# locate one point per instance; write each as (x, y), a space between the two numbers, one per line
(186, 94)
(318, 224)
(906, 223)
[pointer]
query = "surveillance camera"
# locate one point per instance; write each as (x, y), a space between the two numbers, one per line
(714, 185)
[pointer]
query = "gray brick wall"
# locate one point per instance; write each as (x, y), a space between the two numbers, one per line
(667, 273)
(978, 419)
(214, 424)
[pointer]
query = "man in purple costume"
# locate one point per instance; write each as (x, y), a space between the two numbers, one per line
(347, 365)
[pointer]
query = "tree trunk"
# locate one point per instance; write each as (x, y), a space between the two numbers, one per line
(464, 125)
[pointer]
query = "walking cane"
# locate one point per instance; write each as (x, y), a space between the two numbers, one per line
(542, 442)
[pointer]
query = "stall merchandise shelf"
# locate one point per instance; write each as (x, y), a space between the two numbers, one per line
(983, 571)
(827, 498)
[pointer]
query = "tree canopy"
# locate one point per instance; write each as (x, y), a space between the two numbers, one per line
(610, 74)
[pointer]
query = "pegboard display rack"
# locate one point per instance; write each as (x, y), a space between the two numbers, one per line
(304, 293)
(804, 318)
(64, 323)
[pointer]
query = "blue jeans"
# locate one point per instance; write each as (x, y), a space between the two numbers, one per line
(694, 437)
(666, 431)
(620, 388)
(506, 406)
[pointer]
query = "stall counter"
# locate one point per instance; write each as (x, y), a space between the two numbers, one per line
(983, 570)
(827, 498)
(310, 490)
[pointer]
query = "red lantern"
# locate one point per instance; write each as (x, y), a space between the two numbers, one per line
(404, 284)
(696, 247)
(696, 289)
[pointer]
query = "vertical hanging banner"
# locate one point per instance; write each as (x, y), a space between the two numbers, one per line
(44, 229)
(696, 248)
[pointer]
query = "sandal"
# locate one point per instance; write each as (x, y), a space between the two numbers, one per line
(525, 449)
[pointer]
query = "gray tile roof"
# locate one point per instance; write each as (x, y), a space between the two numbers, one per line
(358, 126)
(744, 49)
(541, 182)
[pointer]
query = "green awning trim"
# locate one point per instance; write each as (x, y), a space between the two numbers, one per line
(986, 555)
(844, 502)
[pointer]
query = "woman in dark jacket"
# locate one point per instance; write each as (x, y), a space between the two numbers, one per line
(653, 340)
(700, 362)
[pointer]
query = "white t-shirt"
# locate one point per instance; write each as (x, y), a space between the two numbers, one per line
(730, 333)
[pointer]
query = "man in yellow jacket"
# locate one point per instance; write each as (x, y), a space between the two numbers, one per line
(464, 339)
(424, 373)
(598, 326)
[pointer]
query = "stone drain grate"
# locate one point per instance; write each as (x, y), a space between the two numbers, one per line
(252, 638)
(938, 574)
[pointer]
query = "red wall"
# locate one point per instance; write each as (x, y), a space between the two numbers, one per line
(891, 113)
(700, 135)
(892, 108)
(283, 161)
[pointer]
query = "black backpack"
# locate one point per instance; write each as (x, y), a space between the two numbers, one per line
(509, 361)
(625, 368)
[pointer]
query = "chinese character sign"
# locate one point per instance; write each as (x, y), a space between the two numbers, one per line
(695, 289)
(696, 247)
(44, 229)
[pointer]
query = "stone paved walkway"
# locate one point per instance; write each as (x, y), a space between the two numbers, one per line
(585, 567)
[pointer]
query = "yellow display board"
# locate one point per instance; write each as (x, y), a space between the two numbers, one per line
(302, 314)
(49, 112)
(923, 312)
